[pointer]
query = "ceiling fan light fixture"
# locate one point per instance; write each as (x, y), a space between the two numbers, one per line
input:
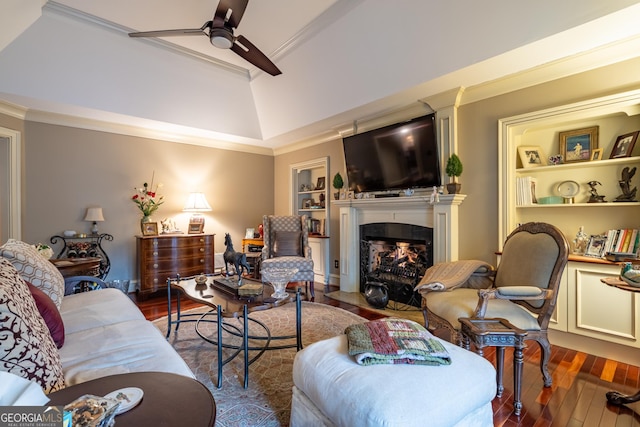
(221, 38)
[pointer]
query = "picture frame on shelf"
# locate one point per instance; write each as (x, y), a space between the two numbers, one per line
(596, 154)
(308, 203)
(195, 228)
(150, 229)
(595, 247)
(249, 233)
(578, 144)
(623, 146)
(531, 156)
(321, 183)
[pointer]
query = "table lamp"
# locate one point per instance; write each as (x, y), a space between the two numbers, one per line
(196, 203)
(94, 215)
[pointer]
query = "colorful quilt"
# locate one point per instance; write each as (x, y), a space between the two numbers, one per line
(395, 341)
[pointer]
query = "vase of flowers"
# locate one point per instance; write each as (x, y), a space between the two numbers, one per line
(44, 250)
(147, 200)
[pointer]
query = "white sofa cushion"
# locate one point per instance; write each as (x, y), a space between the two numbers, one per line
(130, 346)
(395, 395)
(87, 310)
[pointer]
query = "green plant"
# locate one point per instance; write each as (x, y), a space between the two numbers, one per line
(454, 167)
(338, 183)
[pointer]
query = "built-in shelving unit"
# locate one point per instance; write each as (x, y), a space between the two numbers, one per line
(588, 311)
(310, 186)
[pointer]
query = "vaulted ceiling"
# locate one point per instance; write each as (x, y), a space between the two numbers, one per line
(342, 60)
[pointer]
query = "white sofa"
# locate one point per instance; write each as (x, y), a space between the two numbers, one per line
(58, 340)
(106, 334)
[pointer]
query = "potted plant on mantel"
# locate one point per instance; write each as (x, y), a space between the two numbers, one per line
(453, 170)
(338, 183)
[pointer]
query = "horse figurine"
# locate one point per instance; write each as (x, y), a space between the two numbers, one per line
(238, 259)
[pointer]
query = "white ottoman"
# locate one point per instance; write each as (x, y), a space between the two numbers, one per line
(331, 389)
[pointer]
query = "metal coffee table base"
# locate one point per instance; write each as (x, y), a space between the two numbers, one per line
(235, 331)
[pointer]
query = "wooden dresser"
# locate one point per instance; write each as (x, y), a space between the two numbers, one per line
(164, 256)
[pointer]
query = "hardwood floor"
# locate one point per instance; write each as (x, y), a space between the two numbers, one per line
(577, 397)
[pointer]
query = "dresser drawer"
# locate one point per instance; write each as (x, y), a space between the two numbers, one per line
(162, 257)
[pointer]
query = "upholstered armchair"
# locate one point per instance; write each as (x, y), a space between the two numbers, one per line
(286, 245)
(524, 289)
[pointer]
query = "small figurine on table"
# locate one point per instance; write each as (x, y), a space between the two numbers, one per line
(595, 197)
(628, 195)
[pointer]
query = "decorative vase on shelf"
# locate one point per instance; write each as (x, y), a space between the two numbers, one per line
(144, 220)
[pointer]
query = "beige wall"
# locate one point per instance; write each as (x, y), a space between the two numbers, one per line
(68, 169)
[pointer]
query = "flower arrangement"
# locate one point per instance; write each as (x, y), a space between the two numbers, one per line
(147, 198)
(44, 250)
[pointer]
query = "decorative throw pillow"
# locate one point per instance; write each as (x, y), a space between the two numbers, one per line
(287, 243)
(49, 313)
(35, 269)
(26, 346)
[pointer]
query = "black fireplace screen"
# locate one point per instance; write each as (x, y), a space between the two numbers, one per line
(398, 256)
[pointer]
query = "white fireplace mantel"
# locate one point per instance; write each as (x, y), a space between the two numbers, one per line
(416, 210)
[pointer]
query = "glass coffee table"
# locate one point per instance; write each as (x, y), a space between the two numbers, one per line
(230, 300)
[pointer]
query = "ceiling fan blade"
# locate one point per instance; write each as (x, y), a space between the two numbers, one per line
(170, 33)
(237, 10)
(248, 51)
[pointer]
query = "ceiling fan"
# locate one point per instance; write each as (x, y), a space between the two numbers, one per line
(220, 33)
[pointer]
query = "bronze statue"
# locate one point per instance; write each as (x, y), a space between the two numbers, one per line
(238, 259)
(628, 194)
(595, 197)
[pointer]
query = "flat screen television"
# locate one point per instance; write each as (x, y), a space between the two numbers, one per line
(399, 156)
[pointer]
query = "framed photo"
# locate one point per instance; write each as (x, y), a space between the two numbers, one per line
(249, 233)
(308, 203)
(596, 154)
(150, 229)
(321, 183)
(577, 145)
(531, 156)
(196, 228)
(624, 145)
(596, 245)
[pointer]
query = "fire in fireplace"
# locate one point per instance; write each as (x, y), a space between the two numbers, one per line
(396, 255)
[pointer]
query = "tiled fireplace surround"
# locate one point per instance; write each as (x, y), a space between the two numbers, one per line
(416, 210)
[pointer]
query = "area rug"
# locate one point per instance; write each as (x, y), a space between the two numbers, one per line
(401, 310)
(267, 400)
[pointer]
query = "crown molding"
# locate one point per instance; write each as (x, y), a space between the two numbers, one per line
(13, 110)
(152, 131)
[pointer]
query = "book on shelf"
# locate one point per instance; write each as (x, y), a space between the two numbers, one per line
(623, 240)
(526, 191)
(314, 226)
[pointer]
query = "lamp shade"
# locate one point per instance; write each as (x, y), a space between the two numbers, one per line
(196, 202)
(94, 215)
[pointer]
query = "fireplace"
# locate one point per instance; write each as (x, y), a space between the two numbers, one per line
(441, 217)
(396, 255)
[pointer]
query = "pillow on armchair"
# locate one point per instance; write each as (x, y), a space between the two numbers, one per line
(26, 346)
(35, 269)
(287, 243)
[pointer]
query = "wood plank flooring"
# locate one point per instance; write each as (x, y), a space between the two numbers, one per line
(577, 397)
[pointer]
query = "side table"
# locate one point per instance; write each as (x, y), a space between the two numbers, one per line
(499, 333)
(169, 399)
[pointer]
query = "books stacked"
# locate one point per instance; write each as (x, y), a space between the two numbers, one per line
(525, 191)
(316, 226)
(625, 240)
